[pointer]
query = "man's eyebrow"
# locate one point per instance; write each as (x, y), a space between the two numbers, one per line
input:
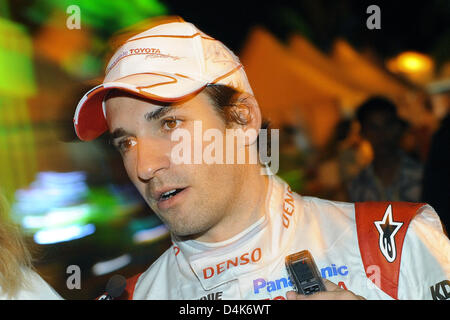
(153, 115)
(119, 132)
(157, 114)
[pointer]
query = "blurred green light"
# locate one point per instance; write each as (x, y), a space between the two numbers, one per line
(101, 14)
(16, 68)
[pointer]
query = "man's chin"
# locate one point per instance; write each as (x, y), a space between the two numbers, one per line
(187, 233)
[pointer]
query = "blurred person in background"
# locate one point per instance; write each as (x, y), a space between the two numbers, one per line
(436, 180)
(18, 280)
(339, 162)
(392, 175)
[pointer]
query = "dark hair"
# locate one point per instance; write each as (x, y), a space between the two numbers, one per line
(376, 104)
(225, 99)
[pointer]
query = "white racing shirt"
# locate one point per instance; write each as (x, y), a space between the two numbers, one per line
(360, 247)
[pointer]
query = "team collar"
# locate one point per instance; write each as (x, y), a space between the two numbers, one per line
(249, 251)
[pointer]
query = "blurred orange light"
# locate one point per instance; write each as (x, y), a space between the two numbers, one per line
(415, 66)
(411, 62)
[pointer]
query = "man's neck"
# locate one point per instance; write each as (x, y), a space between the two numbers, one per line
(247, 207)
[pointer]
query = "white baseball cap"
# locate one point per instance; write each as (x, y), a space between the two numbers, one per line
(166, 63)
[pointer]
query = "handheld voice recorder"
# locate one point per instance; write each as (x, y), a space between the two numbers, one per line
(304, 274)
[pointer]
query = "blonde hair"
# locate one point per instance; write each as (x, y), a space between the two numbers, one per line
(15, 256)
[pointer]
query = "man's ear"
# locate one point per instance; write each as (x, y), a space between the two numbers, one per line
(247, 114)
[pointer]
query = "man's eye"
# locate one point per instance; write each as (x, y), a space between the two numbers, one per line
(125, 144)
(170, 124)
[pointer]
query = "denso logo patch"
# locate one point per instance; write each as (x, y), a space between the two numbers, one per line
(288, 207)
(248, 257)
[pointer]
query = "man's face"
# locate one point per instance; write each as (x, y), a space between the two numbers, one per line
(189, 198)
(382, 131)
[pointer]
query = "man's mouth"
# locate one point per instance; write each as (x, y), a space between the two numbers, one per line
(169, 194)
(170, 197)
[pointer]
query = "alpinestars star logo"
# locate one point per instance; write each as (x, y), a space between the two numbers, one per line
(388, 228)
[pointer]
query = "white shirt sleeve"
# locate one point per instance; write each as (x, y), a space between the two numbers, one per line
(425, 264)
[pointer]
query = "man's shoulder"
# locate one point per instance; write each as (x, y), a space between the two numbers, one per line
(322, 210)
(162, 262)
(322, 206)
(406, 242)
(155, 275)
(330, 218)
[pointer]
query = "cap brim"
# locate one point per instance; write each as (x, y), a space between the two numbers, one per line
(89, 119)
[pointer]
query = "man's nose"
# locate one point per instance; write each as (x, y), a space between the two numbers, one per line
(152, 158)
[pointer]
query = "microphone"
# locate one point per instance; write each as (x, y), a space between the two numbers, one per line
(114, 288)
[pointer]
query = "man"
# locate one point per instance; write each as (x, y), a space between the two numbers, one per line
(392, 175)
(233, 224)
